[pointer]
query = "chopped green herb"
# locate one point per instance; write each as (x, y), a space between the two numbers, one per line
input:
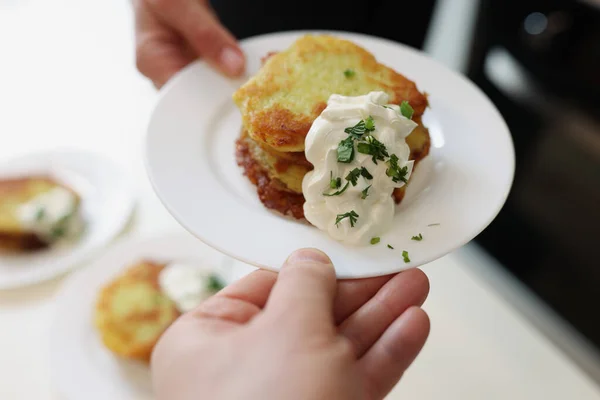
(374, 148)
(214, 283)
(436, 224)
(349, 73)
(394, 171)
(353, 176)
(369, 124)
(365, 173)
(58, 231)
(375, 240)
(351, 215)
(334, 183)
(406, 109)
(405, 256)
(365, 192)
(389, 108)
(39, 214)
(390, 247)
(356, 131)
(342, 190)
(345, 150)
(418, 238)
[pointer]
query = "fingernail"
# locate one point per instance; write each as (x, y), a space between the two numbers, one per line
(309, 255)
(231, 61)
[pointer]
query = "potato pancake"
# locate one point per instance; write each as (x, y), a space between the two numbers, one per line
(132, 313)
(280, 103)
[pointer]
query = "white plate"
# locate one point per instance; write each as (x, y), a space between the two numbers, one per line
(107, 202)
(461, 185)
(82, 367)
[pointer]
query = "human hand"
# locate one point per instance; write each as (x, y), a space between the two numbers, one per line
(172, 33)
(296, 335)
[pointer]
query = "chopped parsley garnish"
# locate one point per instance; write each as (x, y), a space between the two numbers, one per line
(365, 173)
(334, 183)
(390, 108)
(342, 190)
(365, 192)
(394, 171)
(353, 176)
(436, 224)
(39, 214)
(214, 283)
(349, 73)
(57, 232)
(405, 256)
(418, 238)
(369, 124)
(374, 148)
(406, 109)
(351, 215)
(345, 150)
(390, 247)
(375, 240)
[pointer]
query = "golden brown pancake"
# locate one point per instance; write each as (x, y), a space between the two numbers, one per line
(280, 103)
(13, 193)
(132, 313)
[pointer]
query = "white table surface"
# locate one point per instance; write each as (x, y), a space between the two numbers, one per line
(67, 77)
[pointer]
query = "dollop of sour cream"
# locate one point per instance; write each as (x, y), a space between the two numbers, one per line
(187, 285)
(373, 214)
(51, 215)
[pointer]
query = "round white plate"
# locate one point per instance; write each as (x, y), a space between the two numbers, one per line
(107, 202)
(82, 367)
(461, 185)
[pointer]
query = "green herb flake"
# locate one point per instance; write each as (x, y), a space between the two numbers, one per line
(40, 213)
(365, 192)
(405, 256)
(58, 232)
(375, 240)
(342, 190)
(351, 215)
(394, 171)
(418, 238)
(365, 173)
(436, 224)
(374, 148)
(349, 73)
(357, 131)
(345, 150)
(214, 283)
(369, 124)
(390, 247)
(353, 176)
(406, 109)
(334, 183)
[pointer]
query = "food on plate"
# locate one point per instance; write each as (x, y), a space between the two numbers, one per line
(134, 309)
(311, 101)
(37, 212)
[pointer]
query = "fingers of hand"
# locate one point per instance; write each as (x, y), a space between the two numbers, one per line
(383, 365)
(304, 292)
(199, 26)
(369, 322)
(253, 288)
(353, 293)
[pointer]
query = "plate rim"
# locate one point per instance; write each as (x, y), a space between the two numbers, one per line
(489, 105)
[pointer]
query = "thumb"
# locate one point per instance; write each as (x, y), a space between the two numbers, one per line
(305, 290)
(206, 36)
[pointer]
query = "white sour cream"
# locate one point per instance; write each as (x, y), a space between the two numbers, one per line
(51, 215)
(187, 285)
(376, 211)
